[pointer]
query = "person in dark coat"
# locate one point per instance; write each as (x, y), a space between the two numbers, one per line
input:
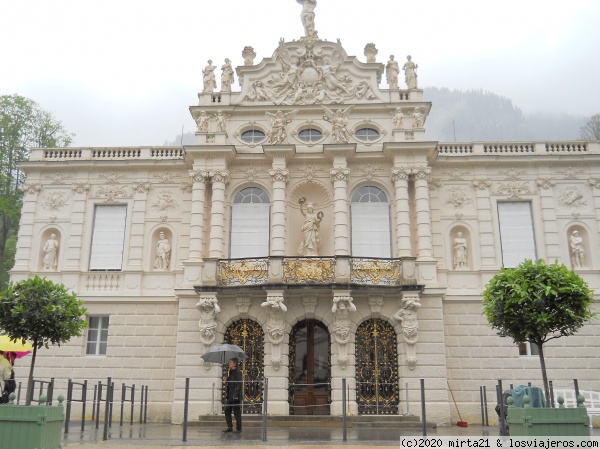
(233, 396)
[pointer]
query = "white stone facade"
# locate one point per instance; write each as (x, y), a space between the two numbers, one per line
(184, 197)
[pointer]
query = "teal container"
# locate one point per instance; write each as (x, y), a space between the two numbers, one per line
(545, 422)
(31, 427)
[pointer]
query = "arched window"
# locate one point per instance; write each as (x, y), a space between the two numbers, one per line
(370, 213)
(249, 224)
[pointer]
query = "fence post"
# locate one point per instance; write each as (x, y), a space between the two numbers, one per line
(423, 413)
(146, 406)
(50, 391)
(19, 393)
(132, 404)
(142, 405)
(185, 408)
(84, 400)
(487, 423)
(69, 399)
(481, 402)
(551, 394)
(344, 429)
(265, 407)
(123, 392)
(98, 405)
(576, 384)
(106, 409)
(501, 402)
(112, 397)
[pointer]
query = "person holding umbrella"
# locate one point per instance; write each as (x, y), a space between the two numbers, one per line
(233, 396)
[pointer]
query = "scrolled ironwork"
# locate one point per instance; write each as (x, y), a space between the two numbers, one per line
(376, 271)
(377, 391)
(309, 270)
(249, 335)
(242, 272)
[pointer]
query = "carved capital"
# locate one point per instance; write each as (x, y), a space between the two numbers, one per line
(400, 173)
(80, 187)
(219, 176)
(339, 174)
(31, 188)
(279, 174)
(142, 186)
(421, 172)
(199, 175)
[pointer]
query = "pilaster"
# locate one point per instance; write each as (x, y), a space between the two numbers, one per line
(404, 241)
(219, 179)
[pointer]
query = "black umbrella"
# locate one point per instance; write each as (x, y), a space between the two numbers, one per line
(223, 353)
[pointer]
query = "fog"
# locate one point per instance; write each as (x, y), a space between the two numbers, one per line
(125, 72)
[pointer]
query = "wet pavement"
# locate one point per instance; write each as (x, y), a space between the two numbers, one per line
(150, 436)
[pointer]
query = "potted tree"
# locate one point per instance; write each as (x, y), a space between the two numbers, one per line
(46, 314)
(536, 302)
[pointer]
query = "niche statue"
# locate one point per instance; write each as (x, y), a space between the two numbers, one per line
(310, 230)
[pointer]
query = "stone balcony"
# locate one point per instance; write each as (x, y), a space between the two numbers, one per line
(309, 271)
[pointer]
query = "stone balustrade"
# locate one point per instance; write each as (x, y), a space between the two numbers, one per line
(104, 154)
(517, 148)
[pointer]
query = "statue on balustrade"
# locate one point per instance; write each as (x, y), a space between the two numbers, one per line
(392, 71)
(310, 230)
(410, 73)
(210, 82)
(226, 76)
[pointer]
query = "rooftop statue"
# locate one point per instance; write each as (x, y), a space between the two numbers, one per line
(392, 71)
(210, 82)
(226, 76)
(308, 17)
(410, 73)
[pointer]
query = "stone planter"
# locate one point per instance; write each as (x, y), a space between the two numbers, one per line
(561, 421)
(33, 426)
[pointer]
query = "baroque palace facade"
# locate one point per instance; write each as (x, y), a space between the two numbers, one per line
(313, 225)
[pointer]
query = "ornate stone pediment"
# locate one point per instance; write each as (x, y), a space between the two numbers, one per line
(310, 71)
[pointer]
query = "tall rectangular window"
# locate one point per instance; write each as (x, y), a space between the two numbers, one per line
(97, 338)
(249, 230)
(109, 238)
(516, 233)
(371, 235)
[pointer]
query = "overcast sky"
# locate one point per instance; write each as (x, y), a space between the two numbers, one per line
(123, 72)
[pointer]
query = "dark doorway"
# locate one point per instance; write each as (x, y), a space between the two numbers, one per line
(310, 369)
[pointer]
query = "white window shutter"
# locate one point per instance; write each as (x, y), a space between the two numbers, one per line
(249, 230)
(371, 230)
(516, 232)
(108, 240)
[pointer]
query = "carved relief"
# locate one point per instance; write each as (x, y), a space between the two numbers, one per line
(250, 173)
(111, 193)
(308, 75)
(513, 174)
(275, 327)
(456, 174)
(166, 177)
(279, 121)
(209, 309)
(570, 173)
(514, 189)
(58, 178)
(375, 303)
(202, 122)
(243, 304)
(407, 316)
(164, 201)
(418, 118)
(398, 118)
(343, 305)
(112, 178)
(310, 304)
(434, 183)
(186, 187)
(593, 182)
(339, 123)
(571, 197)
(222, 121)
(458, 197)
(54, 201)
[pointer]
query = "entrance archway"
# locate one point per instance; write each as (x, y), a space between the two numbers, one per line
(310, 369)
(249, 335)
(377, 391)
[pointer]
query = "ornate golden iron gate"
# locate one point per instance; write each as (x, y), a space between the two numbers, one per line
(377, 391)
(249, 336)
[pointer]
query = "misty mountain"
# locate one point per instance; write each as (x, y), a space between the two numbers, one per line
(475, 115)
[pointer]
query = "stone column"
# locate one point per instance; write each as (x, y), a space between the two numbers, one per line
(219, 179)
(423, 211)
(403, 237)
(199, 178)
(339, 177)
(279, 176)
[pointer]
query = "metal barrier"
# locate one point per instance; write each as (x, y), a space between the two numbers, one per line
(70, 400)
(44, 384)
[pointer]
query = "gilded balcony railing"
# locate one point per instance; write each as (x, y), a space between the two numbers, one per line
(242, 272)
(369, 271)
(309, 270)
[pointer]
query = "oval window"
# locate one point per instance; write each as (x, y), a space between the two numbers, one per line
(310, 135)
(253, 136)
(367, 134)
